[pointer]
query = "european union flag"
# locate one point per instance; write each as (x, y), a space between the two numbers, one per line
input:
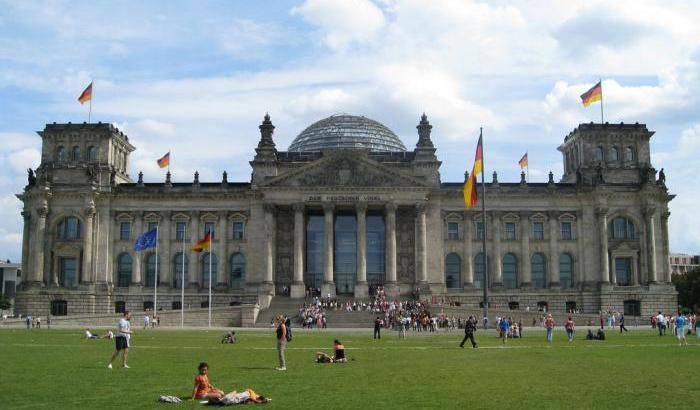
(147, 240)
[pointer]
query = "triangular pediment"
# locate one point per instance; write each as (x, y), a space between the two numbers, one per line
(345, 168)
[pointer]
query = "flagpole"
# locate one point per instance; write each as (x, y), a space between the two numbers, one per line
(483, 209)
(602, 121)
(528, 166)
(92, 93)
(182, 281)
(210, 257)
(155, 281)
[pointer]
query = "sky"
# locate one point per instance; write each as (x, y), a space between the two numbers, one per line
(196, 78)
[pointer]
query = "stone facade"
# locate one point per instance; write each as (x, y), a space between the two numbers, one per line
(597, 239)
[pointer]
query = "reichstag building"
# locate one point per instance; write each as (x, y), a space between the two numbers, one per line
(345, 207)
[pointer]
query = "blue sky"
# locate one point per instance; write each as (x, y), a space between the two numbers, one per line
(197, 77)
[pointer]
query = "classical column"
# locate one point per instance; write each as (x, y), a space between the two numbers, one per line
(361, 289)
(497, 264)
(468, 280)
(665, 251)
(136, 263)
(390, 285)
(222, 257)
(651, 239)
(328, 286)
(268, 278)
(553, 266)
(193, 270)
(604, 257)
(86, 276)
(297, 289)
(525, 273)
(38, 263)
(421, 246)
(26, 216)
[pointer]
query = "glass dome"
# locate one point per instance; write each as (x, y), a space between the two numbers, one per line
(347, 132)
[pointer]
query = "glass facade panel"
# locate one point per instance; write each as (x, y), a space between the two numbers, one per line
(538, 231)
(68, 272)
(313, 274)
(375, 249)
(345, 256)
(453, 271)
(623, 271)
(237, 280)
(125, 231)
(566, 271)
(124, 264)
(538, 269)
(180, 269)
(510, 271)
(151, 270)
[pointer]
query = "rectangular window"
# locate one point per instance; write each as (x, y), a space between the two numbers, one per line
(566, 231)
(452, 230)
(238, 230)
(209, 228)
(125, 231)
(510, 231)
(538, 231)
(152, 226)
(479, 234)
(180, 229)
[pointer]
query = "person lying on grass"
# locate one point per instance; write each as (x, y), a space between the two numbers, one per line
(230, 337)
(338, 357)
(202, 388)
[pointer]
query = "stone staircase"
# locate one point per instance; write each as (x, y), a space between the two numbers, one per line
(335, 318)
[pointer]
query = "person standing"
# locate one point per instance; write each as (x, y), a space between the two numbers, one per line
(469, 329)
(680, 329)
(622, 323)
(570, 327)
(48, 321)
(122, 340)
(281, 333)
(28, 319)
(661, 323)
(377, 328)
(504, 327)
(146, 321)
(549, 325)
(38, 322)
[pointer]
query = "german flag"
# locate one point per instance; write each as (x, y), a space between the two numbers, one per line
(86, 94)
(470, 196)
(523, 162)
(592, 95)
(164, 161)
(203, 243)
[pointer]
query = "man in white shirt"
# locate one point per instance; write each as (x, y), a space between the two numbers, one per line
(661, 323)
(122, 340)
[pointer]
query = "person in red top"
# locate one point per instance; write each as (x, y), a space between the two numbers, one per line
(570, 327)
(549, 325)
(202, 388)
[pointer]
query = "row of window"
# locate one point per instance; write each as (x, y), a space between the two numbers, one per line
(614, 154)
(510, 231)
(510, 272)
(180, 269)
(237, 230)
(62, 154)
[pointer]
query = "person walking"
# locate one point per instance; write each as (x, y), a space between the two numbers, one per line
(680, 329)
(622, 323)
(504, 327)
(48, 321)
(469, 329)
(122, 340)
(377, 328)
(281, 334)
(549, 325)
(570, 327)
(661, 323)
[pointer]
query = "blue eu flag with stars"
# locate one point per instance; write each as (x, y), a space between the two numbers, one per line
(147, 240)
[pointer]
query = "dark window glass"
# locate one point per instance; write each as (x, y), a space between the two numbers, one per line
(538, 231)
(623, 271)
(566, 231)
(599, 154)
(61, 154)
(209, 228)
(479, 270)
(180, 230)
(119, 306)
(238, 231)
(509, 231)
(313, 275)
(76, 153)
(452, 230)
(68, 272)
(69, 228)
(180, 268)
(124, 269)
(152, 226)
(59, 308)
(207, 270)
(92, 154)
(479, 230)
(237, 279)
(376, 248)
(621, 228)
(510, 271)
(151, 270)
(566, 271)
(345, 255)
(125, 231)
(453, 271)
(538, 269)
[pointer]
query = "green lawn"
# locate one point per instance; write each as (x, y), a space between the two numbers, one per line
(58, 369)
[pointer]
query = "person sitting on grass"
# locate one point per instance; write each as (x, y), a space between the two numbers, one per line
(339, 356)
(202, 388)
(90, 335)
(230, 337)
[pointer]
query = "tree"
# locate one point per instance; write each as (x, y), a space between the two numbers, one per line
(5, 302)
(688, 287)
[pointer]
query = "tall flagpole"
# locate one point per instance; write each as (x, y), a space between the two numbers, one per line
(182, 281)
(210, 257)
(602, 121)
(155, 281)
(483, 209)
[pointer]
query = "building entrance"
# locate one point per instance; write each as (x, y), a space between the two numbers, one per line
(345, 253)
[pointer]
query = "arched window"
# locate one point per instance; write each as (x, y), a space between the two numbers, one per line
(75, 154)
(61, 154)
(479, 269)
(599, 154)
(614, 154)
(510, 271)
(621, 228)
(124, 265)
(453, 271)
(629, 154)
(566, 271)
(180, 268)
(151, 270)
(237, 273)
(539, 271)
(69, 228)
(205, 269)
(92, 154)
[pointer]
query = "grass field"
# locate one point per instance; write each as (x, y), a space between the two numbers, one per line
(59, 369)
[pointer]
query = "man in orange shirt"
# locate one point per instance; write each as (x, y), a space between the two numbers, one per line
(202, 388)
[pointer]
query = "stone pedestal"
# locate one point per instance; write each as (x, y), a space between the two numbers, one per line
(361, 290)
(297, 290)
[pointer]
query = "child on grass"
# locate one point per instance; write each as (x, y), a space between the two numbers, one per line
(202, 388)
